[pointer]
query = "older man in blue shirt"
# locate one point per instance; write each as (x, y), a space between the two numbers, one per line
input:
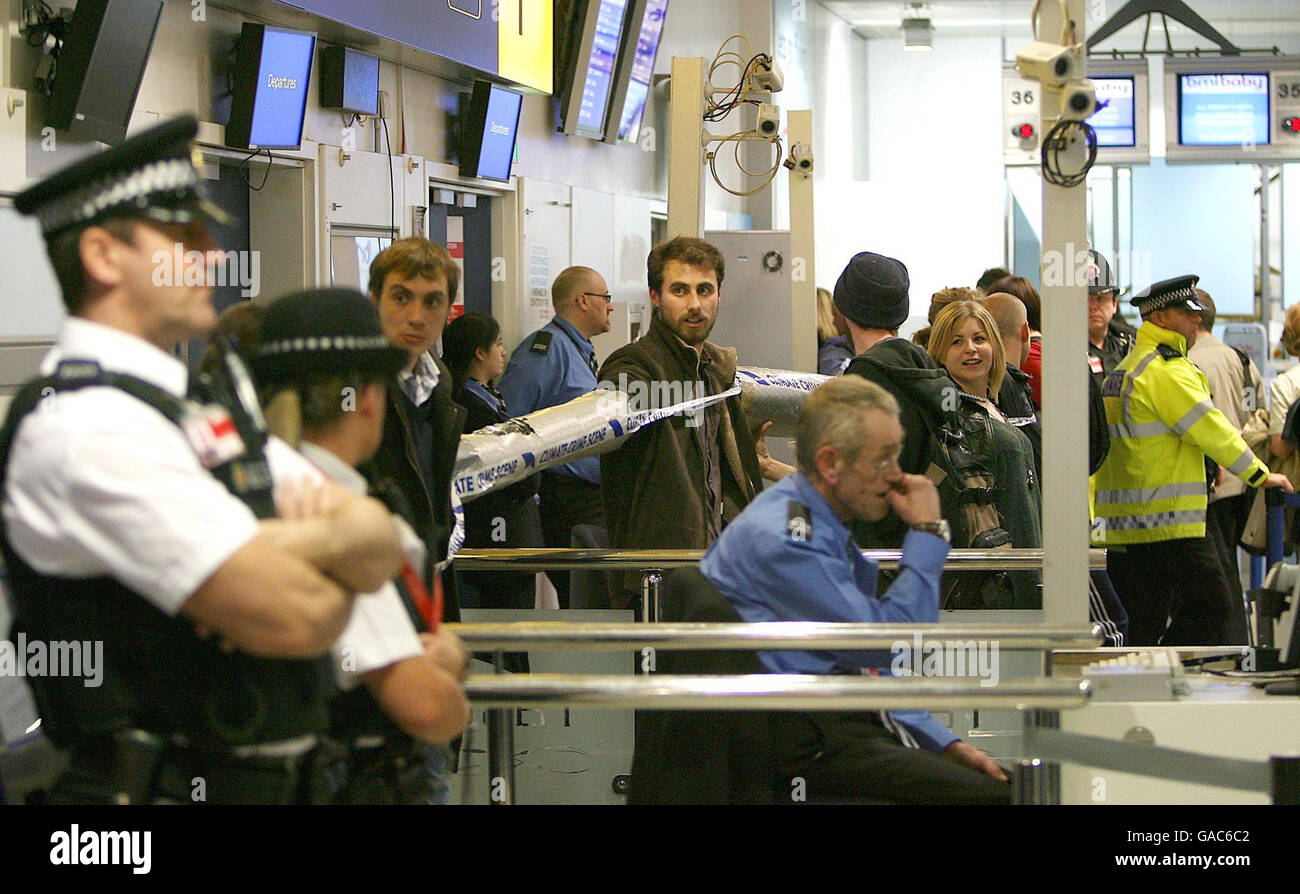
(789, 557)
(553, 366)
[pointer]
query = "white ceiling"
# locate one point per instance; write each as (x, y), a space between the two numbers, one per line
(1251, 24)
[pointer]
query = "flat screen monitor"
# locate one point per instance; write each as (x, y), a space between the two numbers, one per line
(591, 84)
(272, 71)
(101, 65)
(1114, 121)
(489, 131)
(1223, 109)
(641, 71)
(349, 80)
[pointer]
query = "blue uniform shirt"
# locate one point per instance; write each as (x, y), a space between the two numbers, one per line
(788, 557)
(552, 366)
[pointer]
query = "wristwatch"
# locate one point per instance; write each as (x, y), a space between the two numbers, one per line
(941, 528)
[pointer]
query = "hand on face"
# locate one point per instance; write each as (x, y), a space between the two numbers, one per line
(915, 500)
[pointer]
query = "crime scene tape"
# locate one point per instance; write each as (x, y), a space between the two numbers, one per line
(597, 422)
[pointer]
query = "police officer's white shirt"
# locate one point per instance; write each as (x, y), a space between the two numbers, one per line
(379, 632)
(100, 483)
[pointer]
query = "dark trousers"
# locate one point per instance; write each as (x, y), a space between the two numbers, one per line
(1224, 522)
(852, 757)
(1182, 579)
(567, 502)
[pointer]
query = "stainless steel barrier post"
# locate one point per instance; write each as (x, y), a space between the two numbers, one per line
(501, 747)
(651, 582)
(1275, 527)
(1029, 783)
(1286, 778)
(1046, 787)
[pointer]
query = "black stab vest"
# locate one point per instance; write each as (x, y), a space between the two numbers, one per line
(158, 675)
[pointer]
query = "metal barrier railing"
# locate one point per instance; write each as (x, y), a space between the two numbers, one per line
(771, 692)
(1035, 780)
(631, 560)
(756, 692)
(751, 692)
(524, 636)
(651, 563)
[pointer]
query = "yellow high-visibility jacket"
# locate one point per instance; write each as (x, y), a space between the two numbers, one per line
(1162, 426)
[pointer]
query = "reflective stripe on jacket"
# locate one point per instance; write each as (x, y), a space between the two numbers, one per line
(1162, 426)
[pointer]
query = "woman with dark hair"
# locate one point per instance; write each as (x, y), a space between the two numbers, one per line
(503, 517)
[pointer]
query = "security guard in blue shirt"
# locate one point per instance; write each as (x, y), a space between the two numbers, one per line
(553, 366)
(789, 557)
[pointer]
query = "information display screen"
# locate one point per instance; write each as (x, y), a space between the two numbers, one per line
(1113, 121)
(498, 148)
(599, 78)
(1223, 109)
(281, 89)
(638, 88)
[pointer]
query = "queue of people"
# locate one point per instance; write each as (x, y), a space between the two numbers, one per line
(269, 562)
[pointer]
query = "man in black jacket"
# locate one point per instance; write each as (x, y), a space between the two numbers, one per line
(412, 283)
(1109, 337)
(1016, 399)
(675, 483)
(872, 294)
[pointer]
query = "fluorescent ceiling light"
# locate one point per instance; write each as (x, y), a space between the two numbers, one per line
(918, 35)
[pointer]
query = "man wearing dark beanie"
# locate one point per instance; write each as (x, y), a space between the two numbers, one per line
(872, 293)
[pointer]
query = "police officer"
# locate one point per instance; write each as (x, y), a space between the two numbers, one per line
(1151, 491)
(1109, 337)
(214, 618)
(323, 353)
(553, 366)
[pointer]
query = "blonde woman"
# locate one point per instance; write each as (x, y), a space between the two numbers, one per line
(965, 341)
(834, 348)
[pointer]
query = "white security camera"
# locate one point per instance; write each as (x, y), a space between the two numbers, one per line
(769, 120)
(801, 157)
(1078, 101)
(767, 76)
(1050, 64)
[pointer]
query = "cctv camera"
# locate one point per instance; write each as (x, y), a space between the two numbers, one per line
(801, 157)
(1048, 63)
(767, 76)
(769, 120)
(1078, 101)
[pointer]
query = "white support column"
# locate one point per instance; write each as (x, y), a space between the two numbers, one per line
(1065, 392)
(686, 148)
(803, 324)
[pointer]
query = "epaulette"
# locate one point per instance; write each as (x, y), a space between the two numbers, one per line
(1169, 352)
(541, 342)
(799, 522)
